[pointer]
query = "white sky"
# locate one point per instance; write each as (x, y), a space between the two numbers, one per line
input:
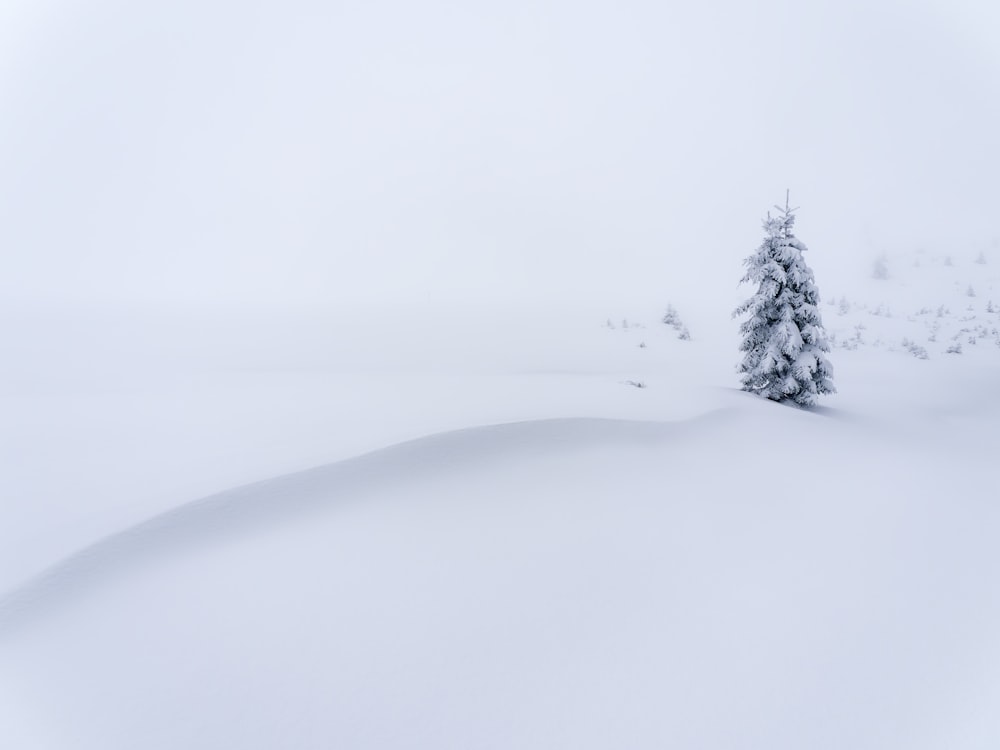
(309, 152)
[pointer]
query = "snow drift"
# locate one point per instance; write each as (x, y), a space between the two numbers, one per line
(714, 583)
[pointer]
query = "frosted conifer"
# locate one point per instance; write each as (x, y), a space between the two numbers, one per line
(783, 338)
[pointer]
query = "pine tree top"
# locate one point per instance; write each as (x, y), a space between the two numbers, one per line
(781, 226)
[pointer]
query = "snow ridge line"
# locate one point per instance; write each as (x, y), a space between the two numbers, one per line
(255, 507)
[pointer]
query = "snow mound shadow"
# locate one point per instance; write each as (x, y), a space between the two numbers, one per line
(256, 507)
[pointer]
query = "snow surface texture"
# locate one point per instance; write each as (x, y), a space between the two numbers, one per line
(505, 544)
(275, 474)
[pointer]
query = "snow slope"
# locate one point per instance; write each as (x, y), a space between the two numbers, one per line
(598, 566)
(580, 583)
(336, 409)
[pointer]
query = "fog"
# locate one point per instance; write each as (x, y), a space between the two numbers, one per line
(426, 247)
(308, 154)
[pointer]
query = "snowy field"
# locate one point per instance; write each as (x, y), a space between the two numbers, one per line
(469, 528)
(338, 409)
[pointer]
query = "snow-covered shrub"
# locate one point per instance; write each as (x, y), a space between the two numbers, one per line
(784, 341)
(880, 269)
(915, 349)
(954, 348)
(673, 319)
(981, 258)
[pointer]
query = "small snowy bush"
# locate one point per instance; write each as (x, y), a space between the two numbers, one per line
(880, 269)
(673, 319)
(915, 349)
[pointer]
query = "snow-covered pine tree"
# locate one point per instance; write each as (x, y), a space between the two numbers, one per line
(783, 338)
